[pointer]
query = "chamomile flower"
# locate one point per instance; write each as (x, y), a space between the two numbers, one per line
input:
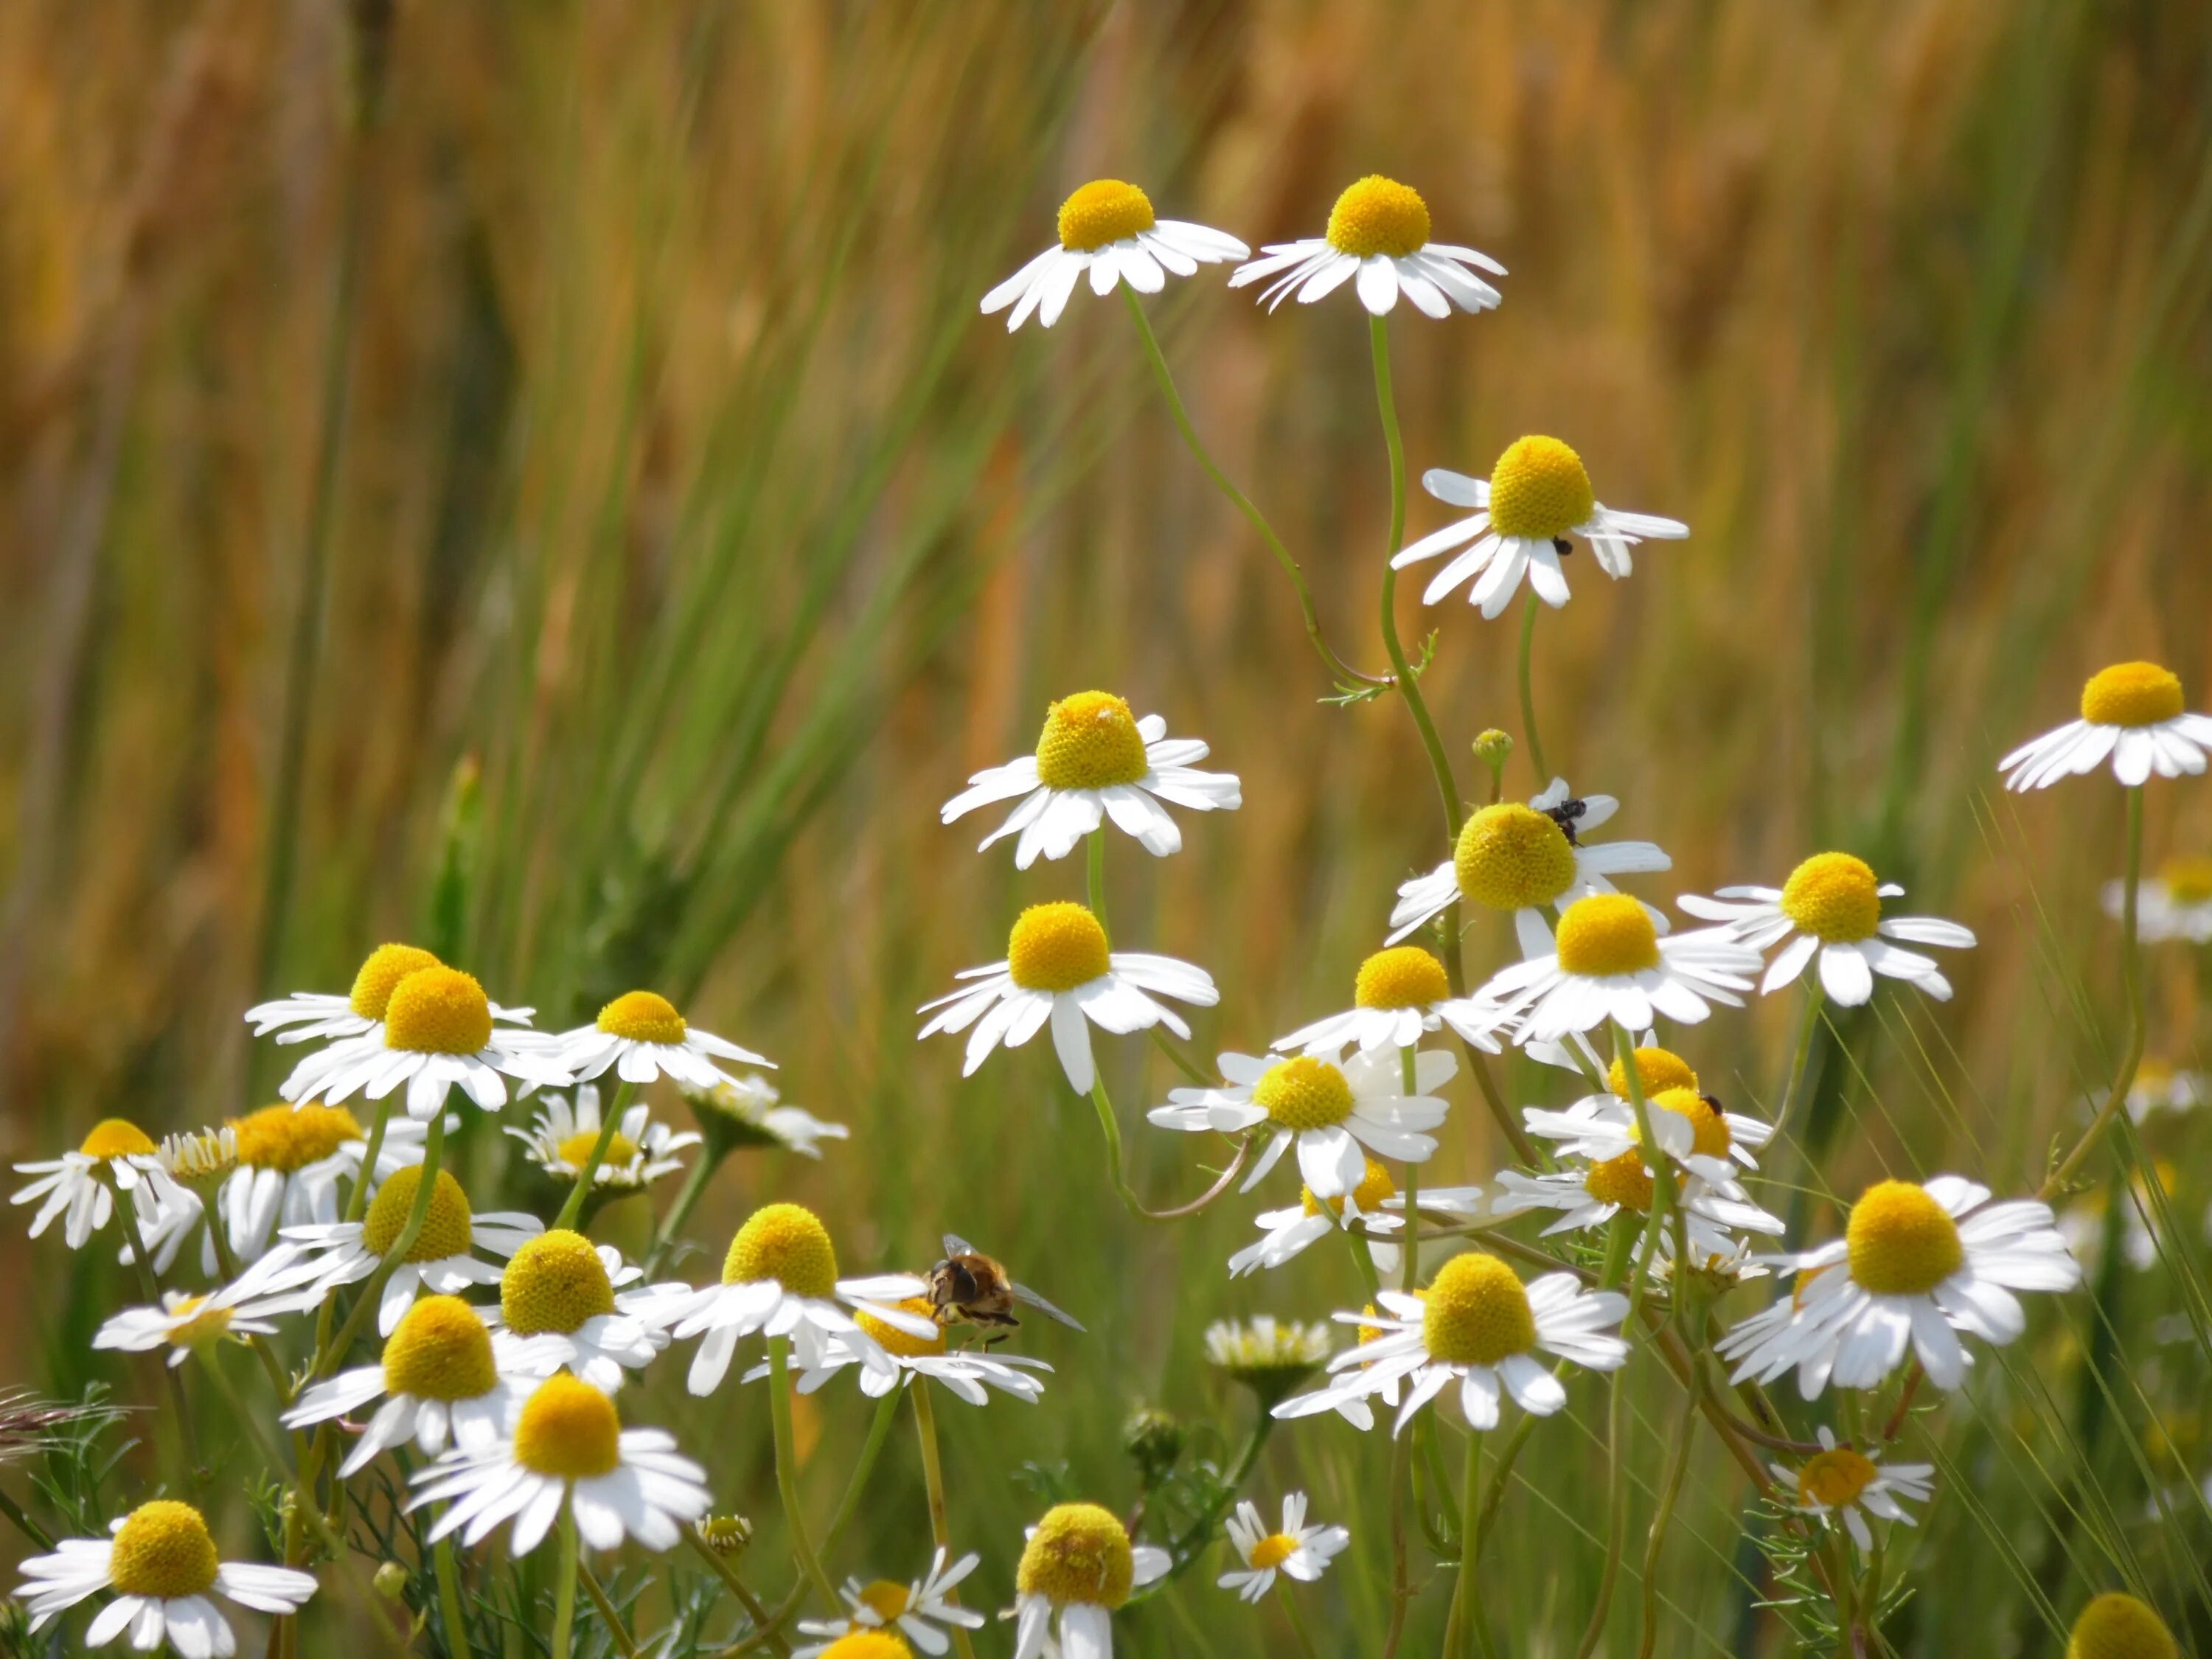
(443, 1258)
(1096, 760)
(921, 1610)
(1286, 1232)
(1830, 906)
(639, 1153)
(2117, 1626)
(245, 1307)
(2131, 714)
(80, 1185)
(332, 1016)
(1059, 969)
(1609, 963)
(640, 1037)
(290, 1160)
(1269, 1355)
(2159, 1088)
(2175, 904)
(1378, 235)
(1479, 1326)
(1521, 859)
(1327, 1107)
(439, 1379)
(162, 1563)
(1079, 1565)
(1400, 993)
(1536, 499)
(1709, 1142)
(568, 1451)
(1916, 1264)
(1297, 1549)
(1107, 232)
(439, 1031)
(967, 1373)
(1842, 1484)
(1590, 1196)
(566, 1299)
(748, 1113)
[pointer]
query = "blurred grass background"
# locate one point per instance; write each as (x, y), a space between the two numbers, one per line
(533, 479)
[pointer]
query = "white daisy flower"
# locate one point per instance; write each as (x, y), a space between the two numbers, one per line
(1400, 993)
(968, 1373)
(290, 1160)
(578, 1307)
(921, 1610)
(335, 1017)
(1079, 1566)
(746, 1113)
(2131, 714)
(1916, 1264)
(1301, 1551)
(1535, 500)
(1378, 235)
(79, 1187)
(568, 1451)
(1326, 1107)
(1592, 1196)
(1522, 859)
(441, 1378)
(1709, 1143)
(1059, 969)
(1094, 760)
(277, 1284)
(639, 1153)
(1832, 905)
(439, 1031)
(1478, 1325)
(1610, 964)
(2175, 904)
(162, 1563)
(1269, 1355)
(1839, 1482)
(640, 1037)
(1107, 231)
(1375, 1206)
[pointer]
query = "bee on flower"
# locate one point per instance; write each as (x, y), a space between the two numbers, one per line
(2131, 715)
(1831, 907)
(1378, 240)
(1301, 1551)
(1108, 234)
(968, 1375)
(1839, 1483)
(921, 1610)
(639, 1153)
(1077, 1569)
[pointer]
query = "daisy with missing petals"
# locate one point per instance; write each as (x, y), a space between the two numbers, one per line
(438, 1029)
(1709, 1142)
(568, 1450)
(1535, 500)
(290, 1161)
(1831, 904)
(1269, 1355)
(1301, 1551)
(1478, 1325)
(1522, 859)
(162, 1563)
(1079, 1566)
(276, 1284)
(1094, 760)
(746, 1113)
(80, 1186)
(639, 1153)
(2131, 714)
(2175, 904)
(443, 1258)
(1611, 964)
(1107, 231)
(921, 1610)
(1592, 1196)
(562, 1295)
(1329, 1109)
(1400, 994)
(970, 1374)
(1916, 1264)
(1059, 969)
(639, 1036)
(1375, 1205)
(1838, 1483)
(1378, 232)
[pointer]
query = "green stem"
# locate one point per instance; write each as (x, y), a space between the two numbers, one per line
(1409, 1265)
(1111, 1127)
(1464, 1631)
(1297, 1622)
(358, 1200)
(1528, 696)
(564, 1592)
(1401, 1590)
(450, 1605)
(1097, 880)
(575, 1208)
(2116, 1101)
(932, 1481)
(593, 1588)
(687, 1199)
(1678, 1463)
(1195, 1537)
(1616, 1504)
(878, 1431)
(30, 1528)
(787, 1468)
(150, 1282)
(1809, 1021)
(426, 1184)
(764, 1622)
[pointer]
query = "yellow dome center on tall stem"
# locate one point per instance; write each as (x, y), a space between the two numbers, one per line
(1102, 211)
(1090, 741)
(568, 1430)
(1709, 1129)
(1539, 489)
(1902, 1241)
(116, 1137)
(905, 1345)
(380, 975)
(1510, 857)
(290, 1137)
(1304, 1093)
(867, 1644)
(1833, 897)
(438, 1011)
(1056, 947)
(555, 1283)
(1403, 976)
(1834, 1478)
(577, 1147)
(1621, 1181)
(2117, 1626)
(786, 1242)
(440, 1350)
(1379, 216)
(2132, 694)
(2188, 880)
(198, 1322)
(1605, 934)
(643, 1016)
(1374, 1187)
(447, 1228)
(886, 1599)
(1476, 1312)
(1274, 1550)
(1659, 1070)
(1079, 1552)
(163, 1550)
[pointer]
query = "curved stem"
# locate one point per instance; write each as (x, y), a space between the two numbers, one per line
(593, 1588)
(1527, 696)
(575, 1208)
(2116, 1101)
(787, 1468)
(764, 1622)
(687, 1199)
(1111, 1128)
(932, 1480)
(358, 1200)
(564, 1592)
(1678, 1463)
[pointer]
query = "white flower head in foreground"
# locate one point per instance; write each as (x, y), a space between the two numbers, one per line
(1329, 1109)
(639, 1153)
(338, 1017)
(198, 1154)
(1611, 964)
(1301, 1551)
(2175, 904)
(563, 1297)
(640, 1037)
(1096, 760)
(1917, 1265)
(2132, 714)
(1058, 969)
(1378, 233)
(568, 1451)
(1477, 1325)
(1375, 1205)
(969, 1374)
(290, 1160)
(438, 1029)
(1107, 232)
(1709, 1142)
(1830, 906)
(80, 1186)
(1521, 859)
(1269, 1355)
(921, 1610)
(162, 1563)
(1592, 1196)
(1535, 500)
(1079, 1565)
(440, 1379)
(1840, 1483)
(1400, 993)
(277, 1284)
(443, 1259)
(746, 1113)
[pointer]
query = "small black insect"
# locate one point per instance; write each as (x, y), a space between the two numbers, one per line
(1566, 814)
(1562, 546)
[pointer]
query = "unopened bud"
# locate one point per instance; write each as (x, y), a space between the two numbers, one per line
(1493, 748)
(390, 1581)
(726, 1534)
(1154, 1441)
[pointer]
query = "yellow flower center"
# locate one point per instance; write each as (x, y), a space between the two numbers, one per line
(577, 1147)
(1374, 1187)
(1375, 1333)
(1404, 977)
(867, 1644)
(438, 1011)
(116, 1137)
(1478, 1312)
(1303, 1094)
(885, 1599)
(788, 1244)
(554, 1283)
(1056, 947)
(380, 975)
(1607, 933)
(1510, 857)
(198, 1322)
(163, 1550)
(1090, 740)
(440, 1350)
(2188, 880)
(290, 1137)
(1659, 1069)
(1379, 216)
(1831, 896)
(1539, 489)
(1623, 1181)
(1079, 1552)
(1902, 1241)
(568, 1430)
(892, 1340)
(642, 1016)
(1104, 210)
(2117, 1626)
(2132, 694)
(445, 1225)
(1709, 1129)
(1834, 1478)
(1274, 1550)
